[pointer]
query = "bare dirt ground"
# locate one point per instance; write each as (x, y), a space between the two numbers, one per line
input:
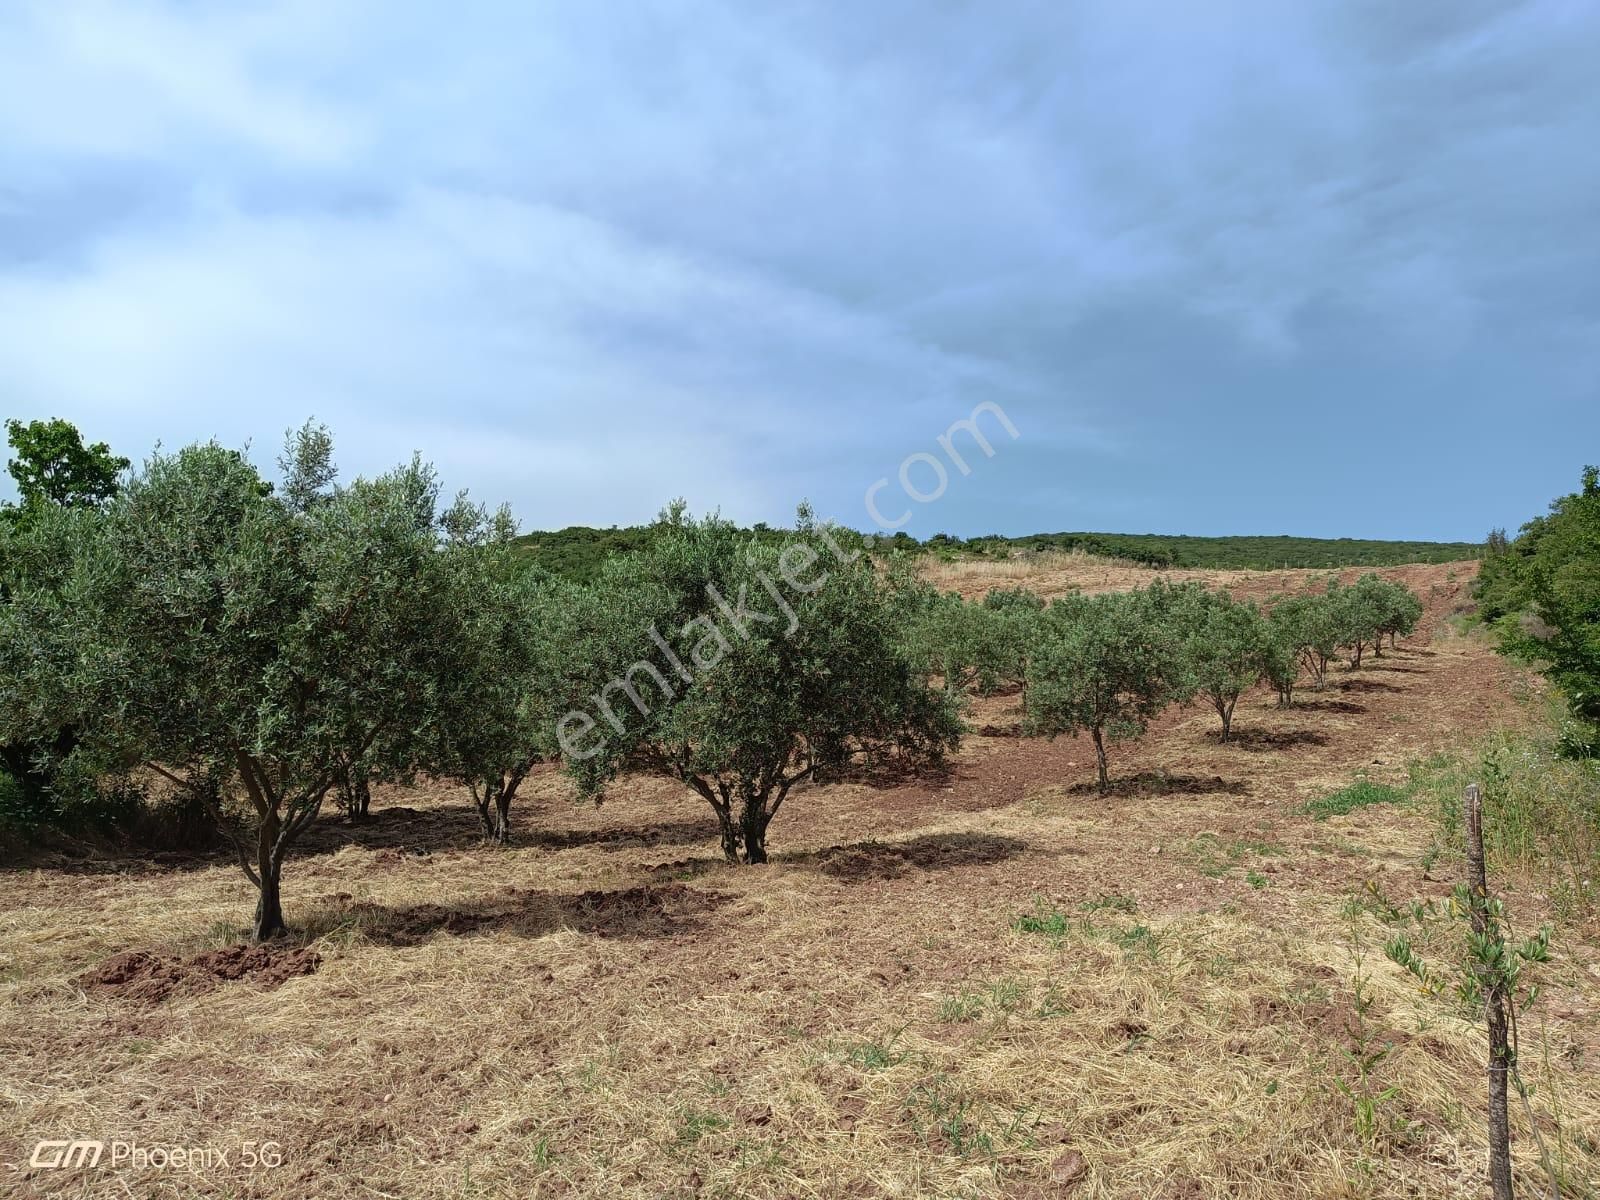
(606, 1009)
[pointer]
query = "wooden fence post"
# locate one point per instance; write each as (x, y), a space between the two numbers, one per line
(1495, 1003)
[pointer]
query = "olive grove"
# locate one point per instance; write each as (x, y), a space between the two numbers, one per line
(268, 647)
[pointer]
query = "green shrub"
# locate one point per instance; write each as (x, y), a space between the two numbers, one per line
(1542, 592)
(1541, 811)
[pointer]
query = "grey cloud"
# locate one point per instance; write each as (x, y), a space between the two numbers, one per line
(787, 244)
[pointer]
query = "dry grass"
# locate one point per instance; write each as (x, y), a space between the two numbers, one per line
(1019, 570)
(1055, 573)
(861, 1018)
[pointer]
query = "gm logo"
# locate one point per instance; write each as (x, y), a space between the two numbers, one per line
(50, 1154)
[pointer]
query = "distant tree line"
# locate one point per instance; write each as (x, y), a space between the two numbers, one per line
(1262, 553)
(579, 551)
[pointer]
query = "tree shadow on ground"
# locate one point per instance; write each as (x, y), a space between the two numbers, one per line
(1156, 783)
(872, 859)
(650, 911)
(391, 831)
(396, 827)
(623, 837)
(1002, 690)
(62, 856)
(687, 868)
(890, 860)
(1014, 729)
(1367, 685)
(892, 773)
(1274, 739)
(1338, 706)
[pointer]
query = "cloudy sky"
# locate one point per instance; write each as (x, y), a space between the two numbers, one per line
(1327, 269)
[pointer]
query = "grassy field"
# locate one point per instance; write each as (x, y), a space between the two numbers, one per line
(995, 982)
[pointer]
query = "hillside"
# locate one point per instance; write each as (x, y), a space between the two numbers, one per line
(578, 550)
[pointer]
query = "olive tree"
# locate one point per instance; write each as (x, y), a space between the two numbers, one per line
(41, 708)
(61, 485)
(1014, 617)
(970, 646)
(306, 467)
(1312, 625)
(1105, 665)
(496, 718)
(746, 668)
(1400, 610)
(307, 475)
(1361, 612)
(1223, 642)
(235, 642)
(949, 638)
(1280, 657)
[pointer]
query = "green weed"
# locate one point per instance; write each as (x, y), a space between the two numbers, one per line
(1216, 858)
(939, 1110)
(966, 1005)
(1046, 920)
(1361, 794)
(1141, 939)
(876, 1056)
(694, 1124)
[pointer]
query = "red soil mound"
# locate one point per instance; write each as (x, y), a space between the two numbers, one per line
(143, 977)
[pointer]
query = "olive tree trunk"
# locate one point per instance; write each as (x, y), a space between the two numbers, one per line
(721, 800)
(732, 843)
(354, 793)
(280, 820)
(753, 828)
(1224, 706)
(744, 814)
(493, 798)
(274, 836)
(269, 921)
(1317, 665)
